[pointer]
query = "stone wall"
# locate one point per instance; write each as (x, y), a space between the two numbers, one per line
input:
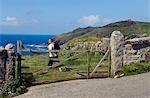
(7, 63)
(124, 52)
(136, 50)
(102, 45)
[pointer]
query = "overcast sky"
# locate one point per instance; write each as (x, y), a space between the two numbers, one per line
(60, 16)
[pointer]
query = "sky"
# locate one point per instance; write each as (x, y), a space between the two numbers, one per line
(60, 16)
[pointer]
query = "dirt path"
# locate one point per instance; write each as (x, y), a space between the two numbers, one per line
(137, 86)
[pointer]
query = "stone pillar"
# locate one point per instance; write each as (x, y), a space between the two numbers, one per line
(116, 45)
(3, 58)
(10, 64)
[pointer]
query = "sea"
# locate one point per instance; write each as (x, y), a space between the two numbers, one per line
(36, 42)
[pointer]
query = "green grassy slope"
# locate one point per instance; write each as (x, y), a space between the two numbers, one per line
(126, 27)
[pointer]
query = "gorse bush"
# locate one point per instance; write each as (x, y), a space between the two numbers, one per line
(12, 88)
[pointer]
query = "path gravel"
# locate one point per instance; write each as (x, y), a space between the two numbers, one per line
(137, 86)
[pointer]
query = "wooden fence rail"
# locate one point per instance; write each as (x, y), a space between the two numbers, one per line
(46, 51)
(88, 58)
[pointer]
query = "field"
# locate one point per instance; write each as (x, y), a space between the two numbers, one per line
(35, 68)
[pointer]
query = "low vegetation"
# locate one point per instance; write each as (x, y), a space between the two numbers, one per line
(12, 88)
(136, 68)
(72, 43)
(127, 27)
(34, 71)
(34, 68)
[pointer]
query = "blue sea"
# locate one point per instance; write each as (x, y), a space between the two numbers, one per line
(38, 42)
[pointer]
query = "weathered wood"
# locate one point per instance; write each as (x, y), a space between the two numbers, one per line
(19, 66)
(19, 46)
(88, 65)
(109, 61)
(71, 58)
(99, 74)
(19, 52)
(99, 62)
(60, 63)
(81, 74)
(46, 51)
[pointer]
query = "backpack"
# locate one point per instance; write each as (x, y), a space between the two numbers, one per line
(56, 46)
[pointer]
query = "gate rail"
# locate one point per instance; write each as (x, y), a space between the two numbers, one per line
(89, 74)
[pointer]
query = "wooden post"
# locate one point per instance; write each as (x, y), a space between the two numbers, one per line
(99, 62)
(19, 49)
(109, 61)
(19, 46)
(19, 66)
(88, 64)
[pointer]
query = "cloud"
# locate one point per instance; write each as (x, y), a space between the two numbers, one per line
(9, 21)
(91, 20)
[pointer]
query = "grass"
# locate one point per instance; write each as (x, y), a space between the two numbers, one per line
(136, 68)
(33, 66)
(127, 27)
(75, 41)
(33, 73)
(80, 64)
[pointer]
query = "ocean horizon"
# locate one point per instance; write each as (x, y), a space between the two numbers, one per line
(37, 42)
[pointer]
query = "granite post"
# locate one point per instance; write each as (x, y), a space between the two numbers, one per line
(117, 46)
(10, 64)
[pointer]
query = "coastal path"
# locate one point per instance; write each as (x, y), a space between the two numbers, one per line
(136, 86)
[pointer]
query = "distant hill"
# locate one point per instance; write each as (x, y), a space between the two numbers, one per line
(127, 27)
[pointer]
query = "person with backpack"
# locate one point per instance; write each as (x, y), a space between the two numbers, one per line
(52, 55)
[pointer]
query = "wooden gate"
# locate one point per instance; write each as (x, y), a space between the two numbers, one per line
(92, 71)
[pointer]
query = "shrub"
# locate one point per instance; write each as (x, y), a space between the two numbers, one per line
(12, 88)
(136, 68)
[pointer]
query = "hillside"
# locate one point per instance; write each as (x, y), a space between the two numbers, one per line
(127, 27)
